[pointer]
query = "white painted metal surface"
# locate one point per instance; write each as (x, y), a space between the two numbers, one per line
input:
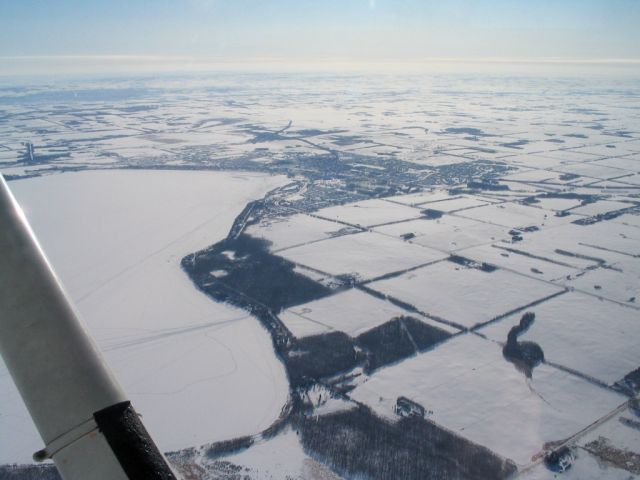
(58, 369)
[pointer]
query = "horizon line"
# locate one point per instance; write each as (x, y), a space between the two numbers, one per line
(28, 66)
(310, 60)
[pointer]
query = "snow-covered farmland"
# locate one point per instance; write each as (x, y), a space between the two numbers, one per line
(463, 295)
(421, 198)
(294, 230)
(583, 246)
(280, 457)
(352, 311)
(597, 338)
(585, 466)
(557, 204)
(116, 239)
(504, 256)
(369, 213)
(631, 163)
(592, 170)
(364, 255)
(446, 233)
(597, 208)
(472, 390)
(491, 155)
(515, 215)
(457, 203)
(619, 281)
(602, 453)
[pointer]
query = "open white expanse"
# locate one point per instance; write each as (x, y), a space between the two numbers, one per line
(447, 232)
(465, 296)
(294, 230)
(593, 336)
(365, 255)
(515, 215)
(196, 370)
(352, 311)
(369, 213)
(281, 457)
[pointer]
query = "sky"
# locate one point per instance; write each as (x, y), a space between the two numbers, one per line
(319, 30)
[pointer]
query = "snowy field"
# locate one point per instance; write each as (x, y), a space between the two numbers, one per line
(515, 215)
(364, 255)
(595, 337)
(462, 295)
(196, 370)
(620, 283)
(456, 203)
(447, 233)
(352, 312)
(294, 230)
(471, 390)
(506, 256)
(619, 435)
(369, 213)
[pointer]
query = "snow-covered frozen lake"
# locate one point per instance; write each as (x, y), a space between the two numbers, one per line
(197, 371)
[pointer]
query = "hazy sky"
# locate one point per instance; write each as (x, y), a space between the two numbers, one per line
(295, 30)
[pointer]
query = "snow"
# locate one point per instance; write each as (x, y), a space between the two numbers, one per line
(301, 326)
(116, 239)
(628, 219)
(369, 212)
(569, 156)
(457, 203)
(602, 206)
(595, 337)
(518, 191)
(421, 197)
(447, 233)
(294, 230)
(473, 391)
(631, 180)
(617, 433)
(608, 149)
(631, 164)
(436, 160)
(604, 238)
(514, 215)
(620, 282)
(584, 467)
(557, 204)
(592, 170)
(352, 311)
(595, 242)
(462, 295)
(532, 175)
(538, 160)
(218, 361)
(498, 255)
(366, 255)
(280, 457)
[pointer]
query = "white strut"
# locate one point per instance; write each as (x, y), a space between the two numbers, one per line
(89, 428)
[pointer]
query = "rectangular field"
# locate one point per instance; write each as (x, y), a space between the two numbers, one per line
(592, 336)
(463, 295)
(446, 233)
(369, 212)
(352, 311)
(364, 255)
